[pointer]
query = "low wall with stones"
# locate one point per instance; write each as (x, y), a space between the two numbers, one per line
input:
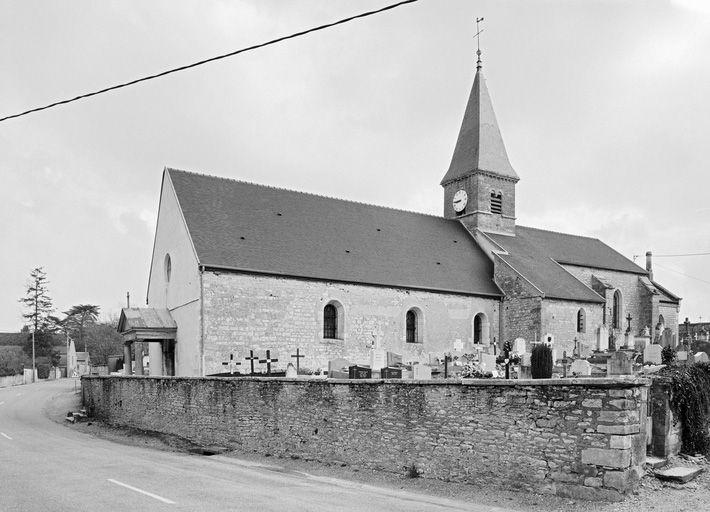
(582, 438)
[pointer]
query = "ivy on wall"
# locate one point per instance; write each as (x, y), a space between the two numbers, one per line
(690, 402)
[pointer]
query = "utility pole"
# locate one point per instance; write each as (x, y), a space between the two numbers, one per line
(34, 366)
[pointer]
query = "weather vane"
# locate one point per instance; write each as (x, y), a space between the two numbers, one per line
(478, 42)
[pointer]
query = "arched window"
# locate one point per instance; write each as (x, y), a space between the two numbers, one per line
(496, 202)
(413, 321)
(581, 321)
(168, 268)
(481, 329)
(661, 321)
(333, 320)
(616, 313)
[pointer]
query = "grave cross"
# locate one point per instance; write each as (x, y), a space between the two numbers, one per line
(564, 362)
(268, 362)
(447, 359)
(298, 357)
(251, 360)
(576, 351)
(231, 363)
(628, 319)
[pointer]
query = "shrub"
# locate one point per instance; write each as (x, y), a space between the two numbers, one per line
(541, 361)
(668, 355)
(412, 471)
(690, 402)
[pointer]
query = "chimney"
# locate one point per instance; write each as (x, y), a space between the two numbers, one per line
(649, 265)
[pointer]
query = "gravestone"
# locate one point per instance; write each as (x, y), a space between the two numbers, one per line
(640, 343)
(525, 359)
(618, 364)
(391, 373)
(682, 356)
(338, 368)
(394, 359)
(291, 371)
(488, 362)
(519, 346)
(378, 358)
(629, 340)
(602, 339)
(667, 338)
(701, 357)
(585, 351)
(652, 354)
(359, 372)
(581, 367)
(458, 345)
(422, 372)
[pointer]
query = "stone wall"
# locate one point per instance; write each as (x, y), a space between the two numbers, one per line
(522, 304)
(245, 312)
(579, 438)
(559, 317)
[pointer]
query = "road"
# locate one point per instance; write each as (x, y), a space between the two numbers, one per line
(47, 466)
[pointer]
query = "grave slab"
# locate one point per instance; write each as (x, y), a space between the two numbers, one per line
(488, 362)
(701, 357)
(618, 364)
(680, 474)
(655, 462)
(581, 367)
(652, 354)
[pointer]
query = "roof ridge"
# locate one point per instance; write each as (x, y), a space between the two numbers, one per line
(312, 194)
(560, 233)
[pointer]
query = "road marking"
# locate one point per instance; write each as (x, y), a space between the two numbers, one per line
(5, 436)
(155, 496)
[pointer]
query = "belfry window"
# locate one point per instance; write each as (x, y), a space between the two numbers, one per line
(581, 321)
(496, 202)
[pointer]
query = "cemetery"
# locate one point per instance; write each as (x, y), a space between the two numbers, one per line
(521, 417)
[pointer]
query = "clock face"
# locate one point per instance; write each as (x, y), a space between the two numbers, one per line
(460, 200)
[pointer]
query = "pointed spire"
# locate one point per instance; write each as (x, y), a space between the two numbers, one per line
(479, 146)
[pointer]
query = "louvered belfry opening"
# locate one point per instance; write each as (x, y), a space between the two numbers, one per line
(496, 203)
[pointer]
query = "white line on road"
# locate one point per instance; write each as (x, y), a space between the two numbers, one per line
(159, 498)
(5, 436)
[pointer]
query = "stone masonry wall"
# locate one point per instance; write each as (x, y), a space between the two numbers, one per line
(245, 312)
(579, 438)
(522, 305)
(559, 317)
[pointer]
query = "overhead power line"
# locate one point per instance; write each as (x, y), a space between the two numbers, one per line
(681, 255)
(682, 274)
(211, 59)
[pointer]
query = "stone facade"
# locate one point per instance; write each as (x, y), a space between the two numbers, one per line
(245, 312)
(477, 214)
(577, 438)
(560, 318)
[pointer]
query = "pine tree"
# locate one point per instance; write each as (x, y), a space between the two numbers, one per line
(38, 305)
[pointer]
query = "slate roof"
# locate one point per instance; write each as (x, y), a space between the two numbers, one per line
(538, 255)
(534, 261)
(256, 228)
(479, 146)
(143, 318)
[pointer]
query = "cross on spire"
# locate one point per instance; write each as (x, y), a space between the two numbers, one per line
(479, 63)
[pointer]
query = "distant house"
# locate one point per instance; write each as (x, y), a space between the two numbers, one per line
(83, 363)
(68, 360)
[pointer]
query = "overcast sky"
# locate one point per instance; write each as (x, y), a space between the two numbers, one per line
(603, 106)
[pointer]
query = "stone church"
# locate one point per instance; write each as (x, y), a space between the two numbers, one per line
(240, 268)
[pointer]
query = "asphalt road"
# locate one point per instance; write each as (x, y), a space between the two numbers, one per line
(47, 466)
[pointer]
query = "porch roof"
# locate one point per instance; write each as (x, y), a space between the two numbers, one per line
(146, 324)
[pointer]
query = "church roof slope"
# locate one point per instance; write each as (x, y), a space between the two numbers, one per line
(539, 255)
(534, 262)
(256, 228)
(578, 250)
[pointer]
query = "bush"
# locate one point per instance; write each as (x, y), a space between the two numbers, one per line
(541, 361)
(668, 355)
(690, 402)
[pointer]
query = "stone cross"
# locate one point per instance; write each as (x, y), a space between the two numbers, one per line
(268, 362)
(251, 360)
(298, 357)
(231, 363)
(447, 359)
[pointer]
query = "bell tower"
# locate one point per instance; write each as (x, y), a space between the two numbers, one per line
(479, 187)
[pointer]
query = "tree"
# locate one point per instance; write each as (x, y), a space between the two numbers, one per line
(78, 318)
(103, 340)
(39, 306)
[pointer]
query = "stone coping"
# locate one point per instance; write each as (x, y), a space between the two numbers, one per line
(596, 382)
